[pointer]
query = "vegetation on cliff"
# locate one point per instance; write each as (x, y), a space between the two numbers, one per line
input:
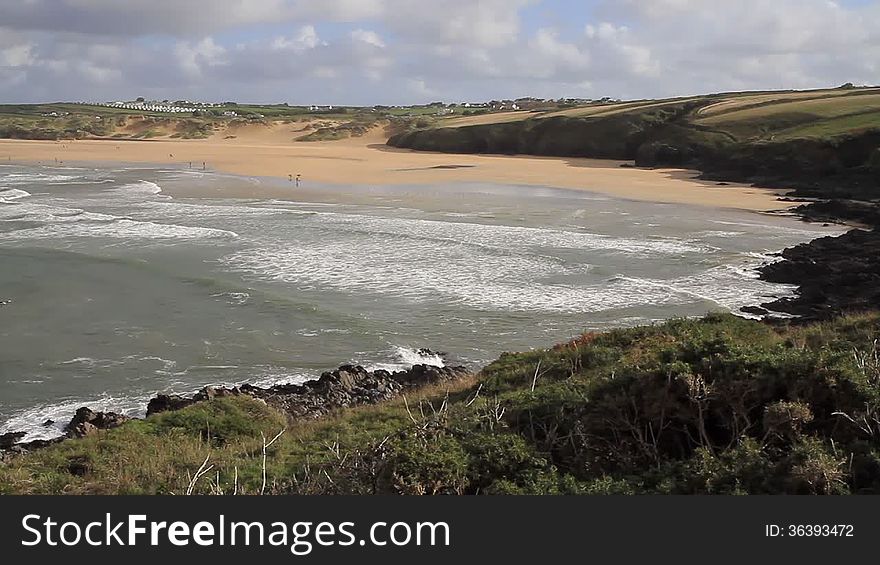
(718, 405)
(823, 142)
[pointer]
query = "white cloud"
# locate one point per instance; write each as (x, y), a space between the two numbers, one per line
(193, 58)
(408, 50)
(17, 55)
(368, 37)
(305, 38)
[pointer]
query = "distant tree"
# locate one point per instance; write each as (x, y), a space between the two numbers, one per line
(847, 86)
(140, 99)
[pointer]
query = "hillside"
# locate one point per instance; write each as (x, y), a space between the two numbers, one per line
(720, 405)
(821, 142)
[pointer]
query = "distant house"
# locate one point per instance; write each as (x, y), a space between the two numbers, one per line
(229, 114)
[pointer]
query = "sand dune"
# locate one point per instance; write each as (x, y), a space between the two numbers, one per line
(270, 151)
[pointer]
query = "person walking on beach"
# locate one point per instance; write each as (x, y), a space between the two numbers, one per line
(298, 179)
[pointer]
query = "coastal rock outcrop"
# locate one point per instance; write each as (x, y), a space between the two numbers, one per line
(86, 422)
(7, 441)
(349, 385)
(834, 274)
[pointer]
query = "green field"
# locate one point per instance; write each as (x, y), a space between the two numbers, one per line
(747, 116)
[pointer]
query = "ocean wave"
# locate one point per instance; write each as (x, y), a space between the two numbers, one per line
(12, 194)
(31, 420)
(220, 210)
(405, 357)
(62, 222)
(730, 286)
(779, 229)
(38, 178)
(139, 188)
(45, 213)
(234, 298)
(119, 228)
(410, 270)
(502, 236)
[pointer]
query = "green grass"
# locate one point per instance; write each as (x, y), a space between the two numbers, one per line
(830, 115)
(833, 127)
(717, 405)
(743, 116)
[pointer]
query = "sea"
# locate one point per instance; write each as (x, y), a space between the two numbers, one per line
(120, 282)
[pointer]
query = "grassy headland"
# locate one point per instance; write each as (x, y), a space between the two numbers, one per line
(718, 405)
(822, 142)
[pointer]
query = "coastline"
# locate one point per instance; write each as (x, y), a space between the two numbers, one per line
(234, 184)
(264, 151)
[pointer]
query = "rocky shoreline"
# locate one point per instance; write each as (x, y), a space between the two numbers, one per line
(347, 386)
(835, 275)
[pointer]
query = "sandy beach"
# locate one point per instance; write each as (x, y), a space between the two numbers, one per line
(272, 151)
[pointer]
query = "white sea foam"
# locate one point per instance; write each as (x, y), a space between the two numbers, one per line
(118, 228)
(410, 356)
(274, 377)
(506, 236)
(448, 271)
(12, 194)
(234, 298)
(221, 210)
(90, 363)
(139, 188)
(37, 178)
(31, 420)
(405, 357)
(64, 222)
(776, 229)
(484, 266)
(730, 286)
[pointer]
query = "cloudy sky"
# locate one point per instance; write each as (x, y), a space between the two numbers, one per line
(415, 51)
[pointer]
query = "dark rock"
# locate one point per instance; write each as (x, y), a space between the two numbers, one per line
(48, 423)
(349, 385)
(834, 275)
(841, 210)
(86, 422)
(8, 441)
(167, 402)
(210, 393)
(756, 310)
(78, 466)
